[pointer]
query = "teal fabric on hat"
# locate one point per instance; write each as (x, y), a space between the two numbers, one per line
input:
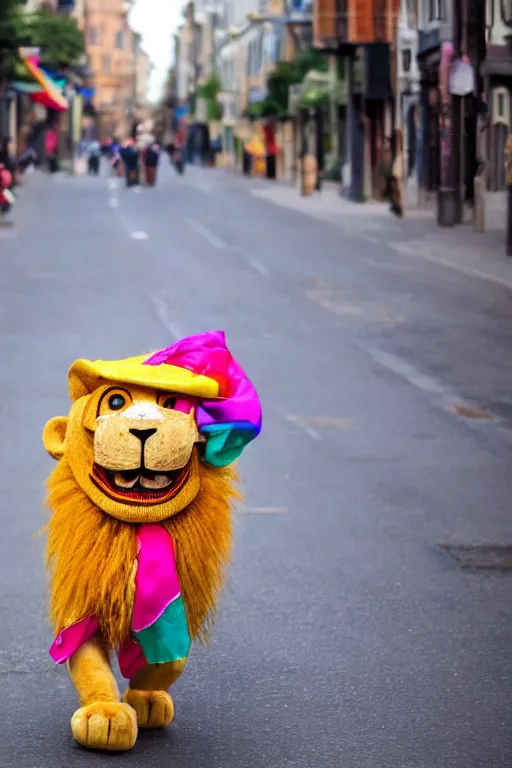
(167, 639)
(225, 442)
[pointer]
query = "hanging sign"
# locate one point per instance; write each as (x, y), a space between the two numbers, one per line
(462, 78)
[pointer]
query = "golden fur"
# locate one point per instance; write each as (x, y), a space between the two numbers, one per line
(91, 555)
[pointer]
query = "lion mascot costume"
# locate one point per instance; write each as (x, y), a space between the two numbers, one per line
(140, 528)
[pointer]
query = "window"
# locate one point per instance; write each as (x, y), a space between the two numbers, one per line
(259, 54)
(489, 14)
(94, 36)
(437, 10)
(106, 63)
(250, 56)
(276, 53)
(500, 107)
(412, 13)
(120, 39)
(506, 12)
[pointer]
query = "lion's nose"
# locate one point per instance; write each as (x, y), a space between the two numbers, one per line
(143, 434)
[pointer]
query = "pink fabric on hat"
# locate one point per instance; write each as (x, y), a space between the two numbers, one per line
(207, 354)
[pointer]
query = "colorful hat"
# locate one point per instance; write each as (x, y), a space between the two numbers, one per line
(228, 414)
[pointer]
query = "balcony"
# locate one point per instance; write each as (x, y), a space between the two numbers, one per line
(353, 22)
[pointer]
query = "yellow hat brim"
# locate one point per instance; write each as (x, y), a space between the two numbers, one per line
(86, 375)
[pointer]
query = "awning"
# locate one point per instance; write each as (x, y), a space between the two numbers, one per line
(50, 94)
(31, 88)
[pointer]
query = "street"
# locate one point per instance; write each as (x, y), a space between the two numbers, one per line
(348, 637)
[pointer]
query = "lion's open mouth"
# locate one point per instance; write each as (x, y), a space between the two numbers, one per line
(142, 486)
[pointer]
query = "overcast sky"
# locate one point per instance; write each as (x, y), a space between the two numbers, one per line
(156, 20)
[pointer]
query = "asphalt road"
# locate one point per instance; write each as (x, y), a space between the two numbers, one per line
(347, 637)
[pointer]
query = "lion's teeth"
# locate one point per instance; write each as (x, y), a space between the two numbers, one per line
(155, 483)
(122, 482)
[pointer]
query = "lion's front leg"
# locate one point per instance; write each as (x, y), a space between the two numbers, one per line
(148, 696)
(102, 722)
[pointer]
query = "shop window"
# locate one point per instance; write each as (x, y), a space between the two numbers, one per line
(501, 106)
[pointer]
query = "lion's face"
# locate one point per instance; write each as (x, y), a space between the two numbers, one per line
(132, 450)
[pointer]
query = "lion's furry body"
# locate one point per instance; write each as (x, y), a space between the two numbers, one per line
(91, 556)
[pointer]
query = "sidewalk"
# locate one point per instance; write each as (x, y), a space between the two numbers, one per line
(417, 235)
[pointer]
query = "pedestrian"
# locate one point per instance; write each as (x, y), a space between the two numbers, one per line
(397, 194)
(6, 196)
(269, 138)
(115, 161)
(130, 157)
(151, 158)
(8, 159)
(51, 143)
(180, 146)
(27, 159)
(386, 171)
(94, 157)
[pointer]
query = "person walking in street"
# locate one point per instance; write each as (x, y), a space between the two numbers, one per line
(130, 158)
(115, 160)
(6, 196)
(151, 158)
(27, 159)
(8, 159)
(180, 146)
(94, 157)
(397, 178)
(51, 143)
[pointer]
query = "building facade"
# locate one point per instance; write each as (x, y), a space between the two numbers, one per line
(142, 69)
(111, 57)
(497, 75)
(363, 34)
(187, 63)
(407, 96)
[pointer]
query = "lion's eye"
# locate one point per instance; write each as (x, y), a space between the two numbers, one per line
(116, 402)
(169, 403)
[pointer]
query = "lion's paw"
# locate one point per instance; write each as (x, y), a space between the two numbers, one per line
(155, 709)
(105, 725)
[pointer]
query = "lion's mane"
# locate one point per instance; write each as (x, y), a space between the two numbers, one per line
(91, 556)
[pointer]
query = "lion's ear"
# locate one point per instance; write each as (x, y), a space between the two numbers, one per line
(54, 436)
